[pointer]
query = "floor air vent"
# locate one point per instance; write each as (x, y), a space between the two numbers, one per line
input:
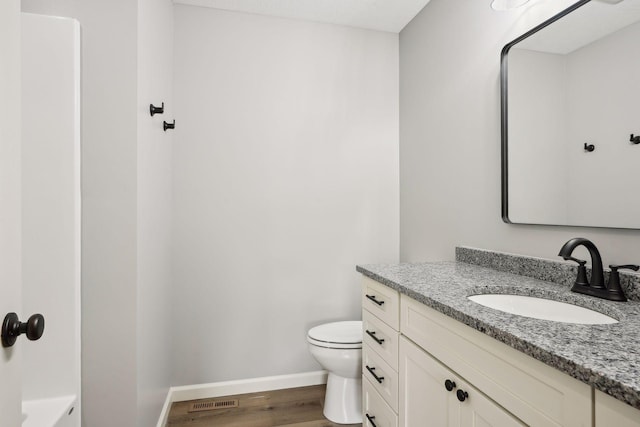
(212, 405)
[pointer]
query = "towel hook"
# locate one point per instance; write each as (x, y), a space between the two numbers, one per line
(169, 125)
(156, 110)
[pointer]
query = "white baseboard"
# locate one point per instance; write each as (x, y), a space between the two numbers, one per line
(229, 388)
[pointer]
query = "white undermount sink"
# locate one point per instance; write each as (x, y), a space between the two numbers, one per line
(541, 308)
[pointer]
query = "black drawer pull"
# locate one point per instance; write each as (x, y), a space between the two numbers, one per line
(370, 418)
(379, 379)
(373, 298)
(462, 395)
(373, 335)
(449, 385)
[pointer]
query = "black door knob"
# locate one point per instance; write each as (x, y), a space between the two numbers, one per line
(12, 328)
(449, 385)
(462, 395)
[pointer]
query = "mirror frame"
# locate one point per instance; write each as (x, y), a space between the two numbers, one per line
(504, 126)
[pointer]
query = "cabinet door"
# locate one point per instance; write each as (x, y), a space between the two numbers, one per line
(477, 410)
(425, 401)
(613, 412)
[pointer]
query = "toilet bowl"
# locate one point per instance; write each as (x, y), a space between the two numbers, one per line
(338, 348)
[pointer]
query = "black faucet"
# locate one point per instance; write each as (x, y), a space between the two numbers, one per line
(596, 287)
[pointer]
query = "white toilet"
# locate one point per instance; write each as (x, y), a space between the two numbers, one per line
(338, 348)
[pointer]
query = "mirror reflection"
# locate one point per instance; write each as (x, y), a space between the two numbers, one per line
(571, 117)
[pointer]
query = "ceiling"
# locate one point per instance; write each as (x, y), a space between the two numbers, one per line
(381, 15)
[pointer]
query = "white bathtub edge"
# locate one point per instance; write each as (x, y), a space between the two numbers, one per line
(46, 412)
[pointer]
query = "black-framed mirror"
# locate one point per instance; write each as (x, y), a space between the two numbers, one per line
(570, 92)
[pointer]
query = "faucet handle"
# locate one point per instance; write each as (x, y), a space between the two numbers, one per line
(626, 267)
(614, 287)
(581, 279)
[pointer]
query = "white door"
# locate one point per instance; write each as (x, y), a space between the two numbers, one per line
(10, 194)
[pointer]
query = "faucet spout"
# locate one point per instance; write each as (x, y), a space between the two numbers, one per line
(597, 275)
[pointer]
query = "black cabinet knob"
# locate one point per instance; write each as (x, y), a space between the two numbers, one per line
(12, 328)
(462, 395)
(449, 385)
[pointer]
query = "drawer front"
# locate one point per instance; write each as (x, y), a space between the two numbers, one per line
(376, 412)
(381, 301)
(383, 378)
(381, 338)
(532, 391)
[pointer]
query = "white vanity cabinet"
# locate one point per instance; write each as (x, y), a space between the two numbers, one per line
(380, 323)
(410, 351)
(427, 402)
(612, 412)
(530, 392)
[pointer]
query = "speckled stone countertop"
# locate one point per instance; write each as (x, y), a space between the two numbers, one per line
(604, 356)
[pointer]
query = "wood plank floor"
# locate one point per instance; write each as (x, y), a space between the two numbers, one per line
(295, 407)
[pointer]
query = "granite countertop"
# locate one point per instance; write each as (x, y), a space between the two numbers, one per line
(604, 356)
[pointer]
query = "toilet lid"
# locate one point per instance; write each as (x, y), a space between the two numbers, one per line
(337, 335)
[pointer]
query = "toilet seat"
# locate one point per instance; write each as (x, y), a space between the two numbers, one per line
(343, 335)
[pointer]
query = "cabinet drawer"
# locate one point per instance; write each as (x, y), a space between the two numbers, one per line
(382, 301)
(534, 392)
(387, 383)
(381, 338)
(376, 412)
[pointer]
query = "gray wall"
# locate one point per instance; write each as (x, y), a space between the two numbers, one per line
(285, 177)
(155, 146)
(450, 138)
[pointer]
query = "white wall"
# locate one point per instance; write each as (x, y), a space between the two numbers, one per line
(450, 138)
(285, 177)
(604, 111)
(537, 118)
(51, 204)
(155, 59)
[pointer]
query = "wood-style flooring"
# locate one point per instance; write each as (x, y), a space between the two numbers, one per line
(295, 407)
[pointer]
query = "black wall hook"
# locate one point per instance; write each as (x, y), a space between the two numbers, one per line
(156, 110)
(589, 147)
(635, 139)
(169, 125)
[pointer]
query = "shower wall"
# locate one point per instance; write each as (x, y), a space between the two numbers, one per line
(51, 204)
